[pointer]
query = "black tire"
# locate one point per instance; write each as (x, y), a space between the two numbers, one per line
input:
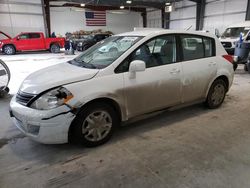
(9, 50)
(85, 47)
(248, 67)
(235, 66)
(54, 48)
(211, 102)
(245, 67)
(76, 134)
(4, 92)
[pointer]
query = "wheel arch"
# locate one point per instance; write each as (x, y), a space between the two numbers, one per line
(222, 77)
(114, 104)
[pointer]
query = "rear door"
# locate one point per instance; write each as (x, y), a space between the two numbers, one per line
(198, 64)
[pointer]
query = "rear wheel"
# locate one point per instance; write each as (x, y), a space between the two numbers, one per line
(94, 125)
(235, 66)
(245, 67)
(216, 94)
(54, 48)
(9, 50)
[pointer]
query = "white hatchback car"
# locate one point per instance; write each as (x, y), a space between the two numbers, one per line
(86, 98)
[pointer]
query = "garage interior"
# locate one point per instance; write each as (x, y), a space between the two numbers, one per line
(188, 147)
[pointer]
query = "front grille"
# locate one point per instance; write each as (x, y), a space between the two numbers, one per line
(24, 98)
(226, 44)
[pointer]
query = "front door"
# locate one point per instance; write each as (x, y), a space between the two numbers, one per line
(159, 86)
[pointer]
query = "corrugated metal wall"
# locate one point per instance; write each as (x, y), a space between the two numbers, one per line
(154, 18)
(184, 15)
(19, 16)
(219, 14)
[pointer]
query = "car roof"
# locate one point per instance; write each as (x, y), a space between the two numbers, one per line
(156, 32)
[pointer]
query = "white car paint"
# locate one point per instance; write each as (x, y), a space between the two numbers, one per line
(130, 93)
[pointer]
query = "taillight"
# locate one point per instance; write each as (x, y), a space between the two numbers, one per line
(229, 58)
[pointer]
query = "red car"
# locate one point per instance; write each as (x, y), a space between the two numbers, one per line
(30, 41)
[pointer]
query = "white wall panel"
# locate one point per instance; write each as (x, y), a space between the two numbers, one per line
(154, 18)
(220, 14)
(68, 20)
(20, 16)
(183, 16)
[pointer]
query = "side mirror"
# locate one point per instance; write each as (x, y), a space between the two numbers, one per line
(136, 66)
(18, 38)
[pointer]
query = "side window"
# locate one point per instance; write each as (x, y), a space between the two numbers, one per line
(34, 35)
(24, 36)
(159, 51)
(156, 52)
(192, 47)
(208, 44)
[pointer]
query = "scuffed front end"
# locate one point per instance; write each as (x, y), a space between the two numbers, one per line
(44, 126)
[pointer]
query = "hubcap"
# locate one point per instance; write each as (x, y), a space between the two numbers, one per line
(97, 126)
(8, 50)
(218, 94)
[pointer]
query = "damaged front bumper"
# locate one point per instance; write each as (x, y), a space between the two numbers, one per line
(44, 126)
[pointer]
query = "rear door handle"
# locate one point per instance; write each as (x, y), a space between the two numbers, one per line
(175, 71)
(212, 63)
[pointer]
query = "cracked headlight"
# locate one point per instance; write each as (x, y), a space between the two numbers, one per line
(52, 99)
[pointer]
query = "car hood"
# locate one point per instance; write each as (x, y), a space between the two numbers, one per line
(5, 35)
(54, 76)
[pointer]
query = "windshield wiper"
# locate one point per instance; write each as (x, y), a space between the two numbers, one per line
(82, 64)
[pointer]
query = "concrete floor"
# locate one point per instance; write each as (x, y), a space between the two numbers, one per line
(187, 148)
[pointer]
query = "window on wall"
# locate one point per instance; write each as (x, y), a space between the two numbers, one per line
(196, 47)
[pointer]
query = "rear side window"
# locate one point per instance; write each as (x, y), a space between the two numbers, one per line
(196, 47)
(208, 44)
(34, 35)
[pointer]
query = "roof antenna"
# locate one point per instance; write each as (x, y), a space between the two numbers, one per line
(189, 27)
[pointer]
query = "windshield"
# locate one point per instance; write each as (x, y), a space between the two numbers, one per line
(235, 32)
(105, 52)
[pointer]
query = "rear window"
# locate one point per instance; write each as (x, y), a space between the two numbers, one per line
(196, 47)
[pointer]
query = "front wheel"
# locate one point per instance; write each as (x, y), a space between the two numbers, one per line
(54, 48)
(216, 94)
(94, 125)
(9, 50)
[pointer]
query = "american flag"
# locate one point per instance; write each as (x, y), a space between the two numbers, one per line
(95, 18)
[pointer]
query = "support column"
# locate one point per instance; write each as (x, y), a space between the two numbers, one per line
(46, 15)
(144, 18)
(200, 12)
(248, 10)
(165, 18)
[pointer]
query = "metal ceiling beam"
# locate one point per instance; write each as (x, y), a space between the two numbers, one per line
(135, 3)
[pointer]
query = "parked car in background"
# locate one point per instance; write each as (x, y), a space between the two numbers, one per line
(85, 43)
(150, 70)
(30, 41)
(232, 35)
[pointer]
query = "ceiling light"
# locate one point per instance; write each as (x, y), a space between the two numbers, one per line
(82, 5)
(122, 7)
(167, 3)
(128, 2)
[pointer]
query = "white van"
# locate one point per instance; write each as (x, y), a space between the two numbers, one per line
(232, 34)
